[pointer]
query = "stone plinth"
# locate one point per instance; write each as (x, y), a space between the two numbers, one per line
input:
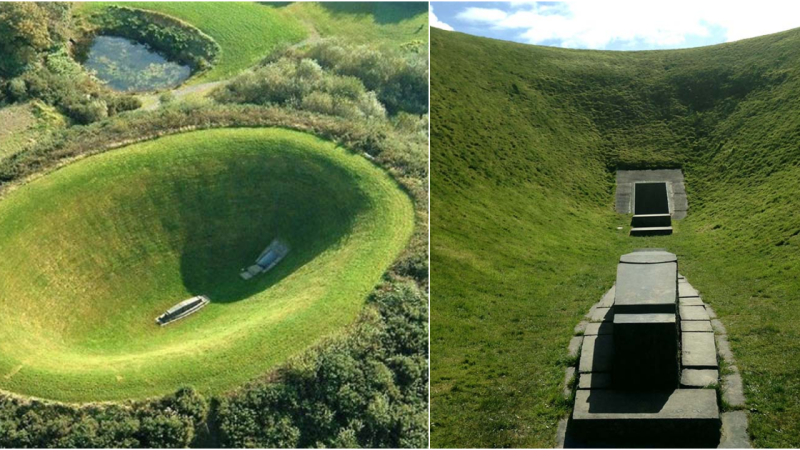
(645, 351)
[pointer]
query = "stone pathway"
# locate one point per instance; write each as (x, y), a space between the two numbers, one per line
(704, 343)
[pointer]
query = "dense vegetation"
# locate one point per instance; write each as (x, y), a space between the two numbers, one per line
(525, 141)
(35, 64)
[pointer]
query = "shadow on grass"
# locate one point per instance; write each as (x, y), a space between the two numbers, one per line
(384, 12)
(309, 203)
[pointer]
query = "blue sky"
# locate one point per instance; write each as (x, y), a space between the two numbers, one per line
(618, 24)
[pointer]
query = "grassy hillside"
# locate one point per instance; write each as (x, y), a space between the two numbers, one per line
(98, 249)
(381, 23)
(525, 141)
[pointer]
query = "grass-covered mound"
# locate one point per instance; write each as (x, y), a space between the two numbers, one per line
(524, 144)
(96, 250)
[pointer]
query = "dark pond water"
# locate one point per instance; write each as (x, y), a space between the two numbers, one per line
(128, 66)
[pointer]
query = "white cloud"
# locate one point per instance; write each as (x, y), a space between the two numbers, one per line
(482, 15)
(435, 22)
(596, 24)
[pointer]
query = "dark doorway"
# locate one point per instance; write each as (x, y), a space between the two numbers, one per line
(650, 198)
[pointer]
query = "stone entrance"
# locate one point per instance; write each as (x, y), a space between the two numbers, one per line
(654, 197)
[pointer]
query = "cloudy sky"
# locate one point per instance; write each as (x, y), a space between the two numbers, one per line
(618, 24)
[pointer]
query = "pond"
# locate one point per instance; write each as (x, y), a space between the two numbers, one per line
(128, 66)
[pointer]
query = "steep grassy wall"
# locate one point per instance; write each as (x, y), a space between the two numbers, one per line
(524, 144)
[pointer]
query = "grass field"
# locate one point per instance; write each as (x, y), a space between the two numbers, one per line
(525, 141)
(246, 31)
(98, 249)
(377, 23)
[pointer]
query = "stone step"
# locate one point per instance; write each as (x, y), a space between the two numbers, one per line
(651, 231)
(651, 220)
(623, 418)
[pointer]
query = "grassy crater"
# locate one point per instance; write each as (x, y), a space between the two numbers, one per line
(93, 252)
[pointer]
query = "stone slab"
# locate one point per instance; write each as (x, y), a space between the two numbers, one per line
(693, 313)
(598, 314)
(648, 257)
(733, 390)
(724, 348)
(646, 287)
(645, 351)
(734, 430)
(698, 350)
(699, 326)
(711, 312)
(575, 346)
(686, 290)
(599, 328)
(681, 404)
(623, 419)
(691, 301)
(594, 381)
(597, 354)
(694, 378)
(608, 299)
(718, 326)
(643, 319)
(580, 328)
(676, 190)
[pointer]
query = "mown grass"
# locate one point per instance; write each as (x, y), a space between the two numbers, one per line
(96, 250)
(245, 31)
(377, 23)
(525, 141)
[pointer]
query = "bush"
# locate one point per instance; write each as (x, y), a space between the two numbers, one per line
(302, 84)
(399, 78)
(368, 389)
(18, 90)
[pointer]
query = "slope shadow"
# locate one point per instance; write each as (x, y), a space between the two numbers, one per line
(293, 202)
(383, 12)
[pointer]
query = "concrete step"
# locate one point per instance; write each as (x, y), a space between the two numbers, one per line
(623, 418)
(651, 220)
(651, 231)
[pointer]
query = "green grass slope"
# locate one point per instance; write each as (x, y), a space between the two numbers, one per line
(246, 31)
(376, 23)
(524, 144)
(93, 252)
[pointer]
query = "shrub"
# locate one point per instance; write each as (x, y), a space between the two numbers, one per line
(18, 90)
(302, 84)
(399, 78)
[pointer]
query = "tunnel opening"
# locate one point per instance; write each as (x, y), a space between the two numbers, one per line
(650, 198)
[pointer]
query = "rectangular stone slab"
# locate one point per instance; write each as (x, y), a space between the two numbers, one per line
(694, 313)
(597, 354)
(598, 314)
(599, 328)
(623, 419)
(690, 301)
(608, 299)
(683, 404)
(643, 288)
(645, 351)
(694, 378)
(698, 350)
(594, 381)
(700, 326)
(686, 290)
